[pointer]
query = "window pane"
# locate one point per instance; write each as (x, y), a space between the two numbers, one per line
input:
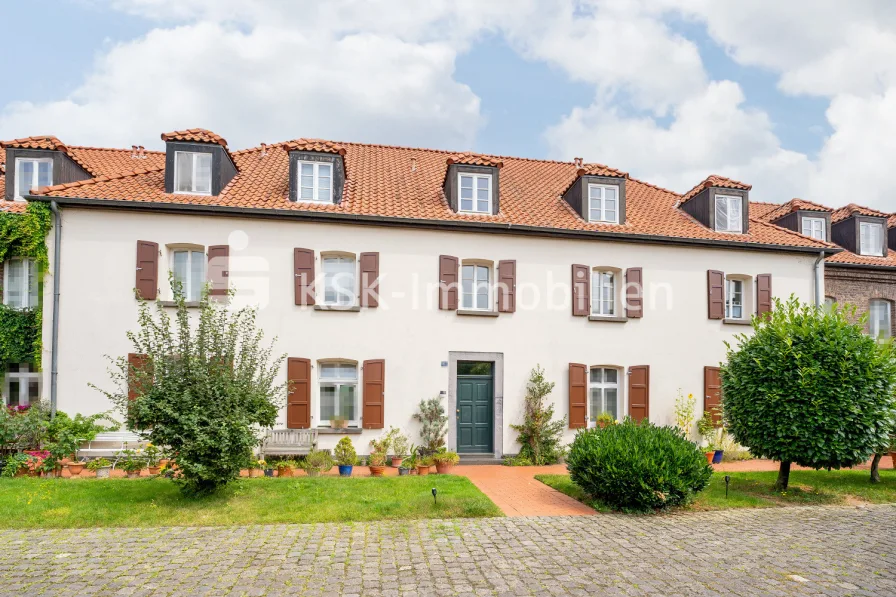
(307, 169)
(347, 402)
(33, 390)
(339, 280)
(721, 213)
(482, 206)
(15, 293)
(32, 282)
(329, 371)
(466, 182)
(596, 407)
(324, 170)
(610, 405)
(183, 166)
(327, 402)
(14, 391)
(467, 273)
(610, 195)
(482, 183)
(597, 375)
(44, 174)
(612, 376)
(25, 177)
(203, 182)
(197, 275)
(180, 264)
(466, 193)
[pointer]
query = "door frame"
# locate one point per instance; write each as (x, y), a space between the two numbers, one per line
(498, 397)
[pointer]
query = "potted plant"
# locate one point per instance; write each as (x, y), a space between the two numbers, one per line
(255, 467)
(16, 465)
(338, 423)
(75, 468)
(285, 468)
(317, 462)
(153, 459)
(707, 429)
(346, 457)
(400, 444)
(132, 463)
(423, 465)
(445, 461)
(100, 466)
(604, 419)
(409, 464)
(377, 459)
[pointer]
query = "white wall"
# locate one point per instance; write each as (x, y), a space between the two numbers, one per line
(676, 339)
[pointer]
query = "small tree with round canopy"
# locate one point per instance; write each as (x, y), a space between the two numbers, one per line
(809, 387)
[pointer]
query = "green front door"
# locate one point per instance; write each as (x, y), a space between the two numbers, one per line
(475, 404)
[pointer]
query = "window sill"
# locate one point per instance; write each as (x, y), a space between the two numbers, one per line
(737, 321)
(475, 313)
(331, 431)
(349, 308)
(605, 318)
(188, 304)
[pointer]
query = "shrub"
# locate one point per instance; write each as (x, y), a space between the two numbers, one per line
(445, 457)
(638, 467)
(98, 463)
(317, 461)
(517, 461)
(810, 387)
(345, 453)
(539, 436)
(203, 389)
(684, 412)
(434, 424)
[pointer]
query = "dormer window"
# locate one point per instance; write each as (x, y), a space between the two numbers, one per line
(815, 228)
(603, 203)
(32, 173)
(729, 213)
(871, 239)
(475, 193)
(193, 173)
(315, 181)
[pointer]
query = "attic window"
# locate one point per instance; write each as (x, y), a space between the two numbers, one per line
(315, 181)
(475, 193)
(871, 241)
(729, 210)
(193, 173)
(32, 173)
(603, 203)
(815, 228)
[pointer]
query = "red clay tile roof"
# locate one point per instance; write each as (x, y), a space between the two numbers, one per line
(475, 159)
(778, 211)
(600, 170)
(850, 258)
(195, 136)
(402, 182)
(891, 222)
(714, 180)
(37, 142)
(318, 145)
(853, 209)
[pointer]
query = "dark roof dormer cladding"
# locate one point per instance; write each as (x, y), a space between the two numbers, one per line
(472, 184)
(801, 216)
(851, 222)
(714, 197)
(891, 232)
(58, 166)
(317, 171)
(192, 173)
(598, 193)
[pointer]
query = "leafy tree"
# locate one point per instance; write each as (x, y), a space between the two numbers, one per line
(434, 425)
(539, 436)
(808, 386)
(205, 386)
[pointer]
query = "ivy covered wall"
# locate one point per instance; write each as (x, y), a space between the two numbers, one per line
(24, 235)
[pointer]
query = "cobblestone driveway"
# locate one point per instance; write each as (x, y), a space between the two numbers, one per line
(793, 551)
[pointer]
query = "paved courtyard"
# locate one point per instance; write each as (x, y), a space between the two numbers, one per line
(780, 552)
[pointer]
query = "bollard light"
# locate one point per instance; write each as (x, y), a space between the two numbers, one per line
(727, 481)
(434, 500)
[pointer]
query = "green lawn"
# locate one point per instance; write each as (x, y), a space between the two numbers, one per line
(67, 503)
(753, 490)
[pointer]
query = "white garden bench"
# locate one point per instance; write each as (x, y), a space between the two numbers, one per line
(288, 442)
(109, 444)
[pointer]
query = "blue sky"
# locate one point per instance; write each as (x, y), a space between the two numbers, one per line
(670, 102)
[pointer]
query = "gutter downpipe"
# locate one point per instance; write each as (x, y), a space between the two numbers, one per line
(819, 269)
(54, 358)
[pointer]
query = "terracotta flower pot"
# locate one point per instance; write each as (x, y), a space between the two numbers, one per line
(422, 469)
(284, 472)
(443, 468)
(396, 461)
(163, 462)
(709, 456)
(377, 471)
(75, 468)
(893, 456)
(255, 472)
(154, 470)
(133, 474)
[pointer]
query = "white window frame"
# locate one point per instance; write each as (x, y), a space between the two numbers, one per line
(598, 300)
(25, 378)
(603, 219)
(187, 286)
(603, 385)
(193, 167)
(341, 257)
(315, 181)
(476, 177)
(730, 285)
(338, 382)
(727, 200)
(34, 176)
(477, 283)
(876, 248)
(815, 228)
(31, 276)
(876, 332)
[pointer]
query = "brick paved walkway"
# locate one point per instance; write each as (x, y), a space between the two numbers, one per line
(515, 490)
(775, 552)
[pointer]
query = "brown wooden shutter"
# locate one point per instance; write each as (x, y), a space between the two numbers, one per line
(639, 392)
(448, 283)
(507, 286)
(634, 293)
(578, 395)
(581, 290)
(298, 402)
(147, 284)
(303, 266)
(136, 362)
(373, 413)
(715, 288)
(370, 279)
(763, 294)
(218, 269)
(712, 393)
